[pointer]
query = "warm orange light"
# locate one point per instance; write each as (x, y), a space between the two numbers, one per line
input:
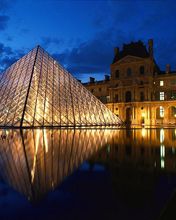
(143, 114)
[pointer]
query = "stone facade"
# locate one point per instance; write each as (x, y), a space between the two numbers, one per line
(137, 90)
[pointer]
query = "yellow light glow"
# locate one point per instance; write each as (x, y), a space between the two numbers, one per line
(143, 132)
(162, 163)
(161, 135)
(45, 140)
(35, 155)
(143, 114)
(162, 150)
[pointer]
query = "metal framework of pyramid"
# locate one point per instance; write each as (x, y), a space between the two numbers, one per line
(37, 91)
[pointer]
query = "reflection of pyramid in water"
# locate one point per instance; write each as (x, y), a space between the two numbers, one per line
(37, 91)
(36, 161)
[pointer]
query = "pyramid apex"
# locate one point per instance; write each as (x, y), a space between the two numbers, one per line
(38, 46)
(49, 96)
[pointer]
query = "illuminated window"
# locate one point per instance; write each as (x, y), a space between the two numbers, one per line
(161, 111)
(161, 83)
(161, 95)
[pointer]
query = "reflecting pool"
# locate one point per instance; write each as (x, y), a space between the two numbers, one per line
(87, 173)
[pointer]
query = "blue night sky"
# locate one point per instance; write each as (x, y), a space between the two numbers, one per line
(81, 35)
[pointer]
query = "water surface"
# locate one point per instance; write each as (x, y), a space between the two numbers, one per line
(86, 173)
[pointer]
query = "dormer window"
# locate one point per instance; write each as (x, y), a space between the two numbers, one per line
(129, 72)
(141, 70)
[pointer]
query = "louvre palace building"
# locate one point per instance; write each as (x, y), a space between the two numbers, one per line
(137, 90)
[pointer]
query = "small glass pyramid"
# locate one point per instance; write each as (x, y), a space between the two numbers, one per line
(36, 91)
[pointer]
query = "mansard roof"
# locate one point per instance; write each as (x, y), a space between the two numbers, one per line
(137, 49)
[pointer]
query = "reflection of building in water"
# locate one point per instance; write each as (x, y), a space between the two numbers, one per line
(36, 161)
(150, 149)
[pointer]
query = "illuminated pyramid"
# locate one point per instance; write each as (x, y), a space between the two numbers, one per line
(36, 91)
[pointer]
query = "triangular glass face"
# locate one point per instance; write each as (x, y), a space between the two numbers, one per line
(14, 85)
(37, 91)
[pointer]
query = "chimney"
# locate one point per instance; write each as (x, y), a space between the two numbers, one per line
(106, 77)
(116, 51)
(150, 47)
(92, 80)
(168, 68)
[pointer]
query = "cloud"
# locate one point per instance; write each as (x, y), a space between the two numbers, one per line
(48, 41)
(94, 55)
(5, 50)
(8, 56)
(4, 5)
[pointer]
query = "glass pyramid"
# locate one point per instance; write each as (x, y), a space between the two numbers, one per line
(36, 91)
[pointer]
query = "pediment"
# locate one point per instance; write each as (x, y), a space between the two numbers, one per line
(129, 59)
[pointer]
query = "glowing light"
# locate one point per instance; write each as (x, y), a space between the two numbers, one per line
(143, 114)
(161, 83)
(161, 111)
(52, 92)
(162, 151)
(143, 131)
(162, 163)
(45, 140)
(161, 135)
(35, 155)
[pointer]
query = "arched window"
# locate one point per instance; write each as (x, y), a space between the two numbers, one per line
(129, 72)
(128, 96)
(160, 112)
(172, 112)
(117, 74)
(141, 70)
(142, 97)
